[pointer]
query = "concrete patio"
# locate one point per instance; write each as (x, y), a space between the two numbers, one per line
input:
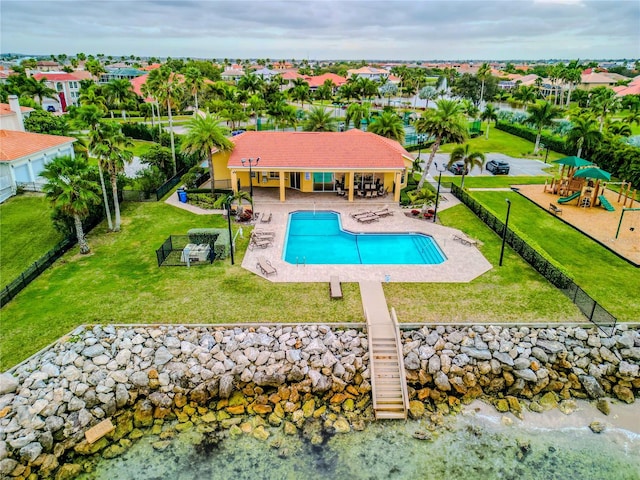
(463, 263)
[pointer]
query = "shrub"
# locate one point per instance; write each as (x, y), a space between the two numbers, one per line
(138, 131)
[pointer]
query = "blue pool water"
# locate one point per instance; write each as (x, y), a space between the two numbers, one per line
(317, 238)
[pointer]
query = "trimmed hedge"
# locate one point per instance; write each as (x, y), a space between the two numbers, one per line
(554, 143)
(220, 244)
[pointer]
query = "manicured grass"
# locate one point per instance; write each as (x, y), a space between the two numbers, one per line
(140, 147)
(503, 142)
(496, 181)
(120, 282)
(608, 279)
(26, 233)
(513, 292)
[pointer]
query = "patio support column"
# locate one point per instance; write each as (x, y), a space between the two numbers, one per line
(351, 176)
(234, 181)
(282, 189)
(397, 187)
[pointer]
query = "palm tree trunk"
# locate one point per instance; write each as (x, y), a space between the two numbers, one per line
(173, 145)
(196, 99)
(116, 202)
(213, 187)
(104, 196)
(124, 114)
(82, 241)
(579, 151)
(425, 172)
(488, 125)
(463, 175)
(535, 149)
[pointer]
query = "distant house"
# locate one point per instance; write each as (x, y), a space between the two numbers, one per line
(47, 66)
(368, 72)
(67, 86)
(120, 74)
(232, 74)
(318, 80)
(632, 88)
(266, 74)
(592, 80)
(23, 155)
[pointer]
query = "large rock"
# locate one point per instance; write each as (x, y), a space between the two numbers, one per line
(442, 382)
(412, 361)
(8, 383)
(162, 356)
(592, 386)
(319, 382)
(226, 386)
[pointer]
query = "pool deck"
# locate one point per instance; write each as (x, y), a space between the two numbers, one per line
(463, 264)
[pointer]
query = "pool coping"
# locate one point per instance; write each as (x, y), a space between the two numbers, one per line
(463, 263)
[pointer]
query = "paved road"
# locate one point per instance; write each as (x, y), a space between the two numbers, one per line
(519, 166)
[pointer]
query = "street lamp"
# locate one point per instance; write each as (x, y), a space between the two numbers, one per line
(251, 162)
(229, 198)
(546, 155)
(440, 170)
(504, 232)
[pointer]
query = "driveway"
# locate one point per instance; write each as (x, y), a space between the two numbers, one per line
(519, 166)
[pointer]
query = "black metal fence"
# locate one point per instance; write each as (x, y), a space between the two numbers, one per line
(183, 251)
(596, 314)
(138, 196)
(36, 268)
(169, 184)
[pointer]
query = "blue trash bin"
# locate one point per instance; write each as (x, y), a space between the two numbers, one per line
(182, 196)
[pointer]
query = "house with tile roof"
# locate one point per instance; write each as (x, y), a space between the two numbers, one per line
(318, 80)
(633, 88)
(67, 86)
(314, 162)
(23, 155)
(368, 72)
(119, 74)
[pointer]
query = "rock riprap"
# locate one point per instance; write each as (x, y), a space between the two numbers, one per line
(163, 380)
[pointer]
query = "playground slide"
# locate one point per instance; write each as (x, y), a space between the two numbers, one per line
(605, 203)
(569, 198)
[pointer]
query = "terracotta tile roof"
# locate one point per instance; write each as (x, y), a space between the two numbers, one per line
(136, 84)
(320, 79)
(153, 66)
(81, 74)
(597, 78)
(15, 145)
(5, 109)
(631, 89)
(353, 149)
(56, 77)
(291, 75)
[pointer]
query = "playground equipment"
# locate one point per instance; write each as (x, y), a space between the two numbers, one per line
(569, 198)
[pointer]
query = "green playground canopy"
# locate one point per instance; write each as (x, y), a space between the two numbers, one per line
(593, 172)
(573, 161)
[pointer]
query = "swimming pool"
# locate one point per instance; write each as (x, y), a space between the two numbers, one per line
(317, 238)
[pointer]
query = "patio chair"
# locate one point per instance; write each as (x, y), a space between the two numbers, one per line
(259, 242)
(340, 192)
(383, 212)
(263, 234)
(368, 195)
(265, 217)
(360, 213)
(368, 219)
(265, 267)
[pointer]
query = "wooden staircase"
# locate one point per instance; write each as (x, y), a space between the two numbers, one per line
(388, 380)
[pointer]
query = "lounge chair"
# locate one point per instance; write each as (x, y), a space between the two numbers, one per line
(264, 234)
(265, 217)
(368, 219)
(383, 212)
(465, 240)
(259, 243)
(265, 267)
(361, 213)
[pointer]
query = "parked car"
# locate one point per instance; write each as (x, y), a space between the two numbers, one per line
(51, 108)
(457, 168)
(497, 167)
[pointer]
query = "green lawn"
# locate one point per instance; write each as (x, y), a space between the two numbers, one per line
(503, 142)
(120, 282)
(140, 147)
(26, 233)
(608, 279)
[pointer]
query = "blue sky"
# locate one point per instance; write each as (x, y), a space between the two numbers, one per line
(325, 29)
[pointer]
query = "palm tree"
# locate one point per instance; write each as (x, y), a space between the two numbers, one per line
(388, 90)
(388, 125)
(194, 81)
(445, 123)
(168, 91)
(92, 96)
(110, 146)
(428, 93)
(489, 114)
(319, 120)
(38, 89)
(119, 92)
(526, 94)
(94, 67)
(619, 128)
(603, 101)
(250, 83)
(583, 134)
(541, 115)
(204, 136)
(356, 112)
(90, 116)
(300, 93)
(470, 159)
(241, 195)
(70, 190)
(484, 72)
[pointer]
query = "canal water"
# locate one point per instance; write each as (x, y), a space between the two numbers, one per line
(479, 444)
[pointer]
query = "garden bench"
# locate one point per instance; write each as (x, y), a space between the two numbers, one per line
(555, 209)
(334, 287)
